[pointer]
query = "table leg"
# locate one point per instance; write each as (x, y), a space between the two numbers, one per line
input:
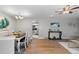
(25, 42)
(18, 46)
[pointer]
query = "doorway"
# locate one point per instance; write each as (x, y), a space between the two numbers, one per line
(35, 29)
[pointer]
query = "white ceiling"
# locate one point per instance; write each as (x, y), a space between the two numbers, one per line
(31, 11)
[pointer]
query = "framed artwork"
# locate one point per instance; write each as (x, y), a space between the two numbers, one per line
(3, 22)
(54, 26)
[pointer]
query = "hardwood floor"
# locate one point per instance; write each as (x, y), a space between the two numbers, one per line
(44, 46)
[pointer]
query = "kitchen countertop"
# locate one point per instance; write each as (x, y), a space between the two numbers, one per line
(7, 37)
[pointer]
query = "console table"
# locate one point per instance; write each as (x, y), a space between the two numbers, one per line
(60, 34)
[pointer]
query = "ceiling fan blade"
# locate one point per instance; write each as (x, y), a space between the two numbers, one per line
(65, 10)
(75, 8)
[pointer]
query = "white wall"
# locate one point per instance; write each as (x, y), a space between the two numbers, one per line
(69, 25)
(12, 24)
(24, 26)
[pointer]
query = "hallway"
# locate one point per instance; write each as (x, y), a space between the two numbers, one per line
(44, 46)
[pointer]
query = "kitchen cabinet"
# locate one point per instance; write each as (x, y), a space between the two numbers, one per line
(7, 44)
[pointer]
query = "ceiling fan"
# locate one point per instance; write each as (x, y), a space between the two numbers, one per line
(67, 9)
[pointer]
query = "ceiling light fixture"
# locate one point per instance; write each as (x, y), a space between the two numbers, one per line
(19, 16)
